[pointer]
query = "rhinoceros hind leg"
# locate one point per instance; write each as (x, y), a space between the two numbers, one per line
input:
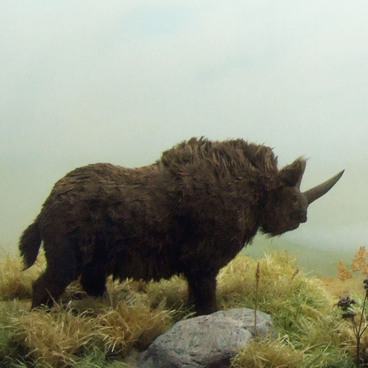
(62, 268)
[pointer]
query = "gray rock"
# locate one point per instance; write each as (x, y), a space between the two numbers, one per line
(205, 341)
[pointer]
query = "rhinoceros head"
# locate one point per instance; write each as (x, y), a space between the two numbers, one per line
(285, 207)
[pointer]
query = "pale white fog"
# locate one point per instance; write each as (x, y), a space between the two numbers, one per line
(121, 81)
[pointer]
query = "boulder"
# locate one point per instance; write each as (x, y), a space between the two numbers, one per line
(206, 341)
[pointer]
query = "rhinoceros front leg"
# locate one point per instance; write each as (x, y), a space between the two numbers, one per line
(202, 293)
(93, 279)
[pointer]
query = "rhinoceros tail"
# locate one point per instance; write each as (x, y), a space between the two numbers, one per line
(29, 244)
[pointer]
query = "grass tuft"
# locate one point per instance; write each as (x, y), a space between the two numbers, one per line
(124, 327)
(271, 353)
(15, 282)
(55, 338)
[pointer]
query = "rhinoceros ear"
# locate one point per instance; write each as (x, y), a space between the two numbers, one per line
(292, 174)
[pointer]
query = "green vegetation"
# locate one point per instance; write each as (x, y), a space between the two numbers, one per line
(110, 331)
(314, 259)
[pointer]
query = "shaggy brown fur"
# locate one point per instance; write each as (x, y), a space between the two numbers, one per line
(190, 212)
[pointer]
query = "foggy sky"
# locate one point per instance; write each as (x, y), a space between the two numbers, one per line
(121, 81)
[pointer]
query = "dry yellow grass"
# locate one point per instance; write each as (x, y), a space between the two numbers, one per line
(133, 313)
(14, 281)
(56, 338)
(282, 288)
(171, 294)
(343, 288)
(345, 284)
(271, 353)
(353, 288)
(123, 327)
(116, 323)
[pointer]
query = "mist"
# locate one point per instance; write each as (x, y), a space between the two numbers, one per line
(119, 82)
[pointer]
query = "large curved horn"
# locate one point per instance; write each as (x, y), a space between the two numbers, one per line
(320, 190)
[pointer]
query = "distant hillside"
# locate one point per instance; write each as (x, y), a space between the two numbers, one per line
(312, 258)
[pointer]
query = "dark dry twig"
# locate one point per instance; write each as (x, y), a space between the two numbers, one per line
(258, 276)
